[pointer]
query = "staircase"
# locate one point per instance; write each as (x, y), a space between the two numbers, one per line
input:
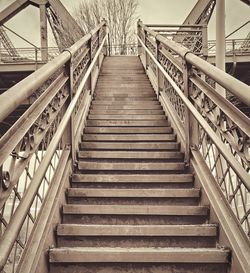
(132, 206)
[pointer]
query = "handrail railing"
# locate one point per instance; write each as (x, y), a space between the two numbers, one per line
(205, 122)
(28, 55)
(122, 49)
(33, 149)
(236, 47)
(194, 37)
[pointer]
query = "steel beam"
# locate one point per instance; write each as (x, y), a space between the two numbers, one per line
(198, 10)
(220, 40)
(43, 32)
(12, 10)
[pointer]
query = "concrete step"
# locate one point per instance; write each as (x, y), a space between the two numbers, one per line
(134, 193)
(126, 107)
(135, 210)
(138, 255)
(139, 267)
(195, 236)
(130, 179)
(126, 137)
(128, 130)
(124, 94)
(131, 196)
(126, 117)
(140, 102)
(132, 155)
(120, 84)
(125, 100)
(98, 166)
(126, 123)
(129, 146)
(126, 112)
(109, 91)
(110, 218)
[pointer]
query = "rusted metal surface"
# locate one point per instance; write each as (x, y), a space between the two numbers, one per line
(222, 130)
(33, 147)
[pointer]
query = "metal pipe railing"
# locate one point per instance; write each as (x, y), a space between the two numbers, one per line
(68, 94)
(24, 89)
(234, 163)
(234, 86)
(207, 125)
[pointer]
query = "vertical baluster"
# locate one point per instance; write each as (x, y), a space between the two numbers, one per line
(190, 124)
(69, 137)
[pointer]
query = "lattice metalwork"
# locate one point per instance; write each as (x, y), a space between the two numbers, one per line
(221, 126)
(235, 191)
(237, 47)
(126, 49)
(27, 55)
(31, 149)
(7, 44)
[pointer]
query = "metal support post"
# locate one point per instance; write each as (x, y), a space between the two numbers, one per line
(158, 72)
(220, 40)
(44, 33)
(190, 123)
(69, 136)
(204, 41)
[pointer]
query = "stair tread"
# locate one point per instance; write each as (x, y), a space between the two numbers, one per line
(124, 137)
(135, 210)
(146, 255)
(130, 166)
(126, 117)
(136, 230)
(130, 178)
(128, 122)
(131, 154)
(142, 193)
(130, 145)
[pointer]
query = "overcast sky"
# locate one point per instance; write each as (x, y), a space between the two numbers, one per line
(26, 23)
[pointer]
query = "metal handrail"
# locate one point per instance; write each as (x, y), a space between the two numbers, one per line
(235, 164)
(236, 87)
(25, 89)
(181, 80)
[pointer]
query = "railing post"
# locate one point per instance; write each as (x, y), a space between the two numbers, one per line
(107, 41)
(158, 72)
(90, 58)
(36, 56)
(69, 137)
(190, 124)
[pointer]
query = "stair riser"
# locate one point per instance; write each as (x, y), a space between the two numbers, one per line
(126, 112)
(129, 146)
(150, 180)
(126, 123)
(130, 167)
(131, 156)
(133, 201)
(133, 220)
(132, 185)
(140, 102)
(124, 137)
(126, 107)
(142, 241)
(125, 100)
(128, 130)
(126, 117)
(139, 268)
(123, 95)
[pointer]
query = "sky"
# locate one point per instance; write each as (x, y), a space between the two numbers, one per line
(26, 23)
